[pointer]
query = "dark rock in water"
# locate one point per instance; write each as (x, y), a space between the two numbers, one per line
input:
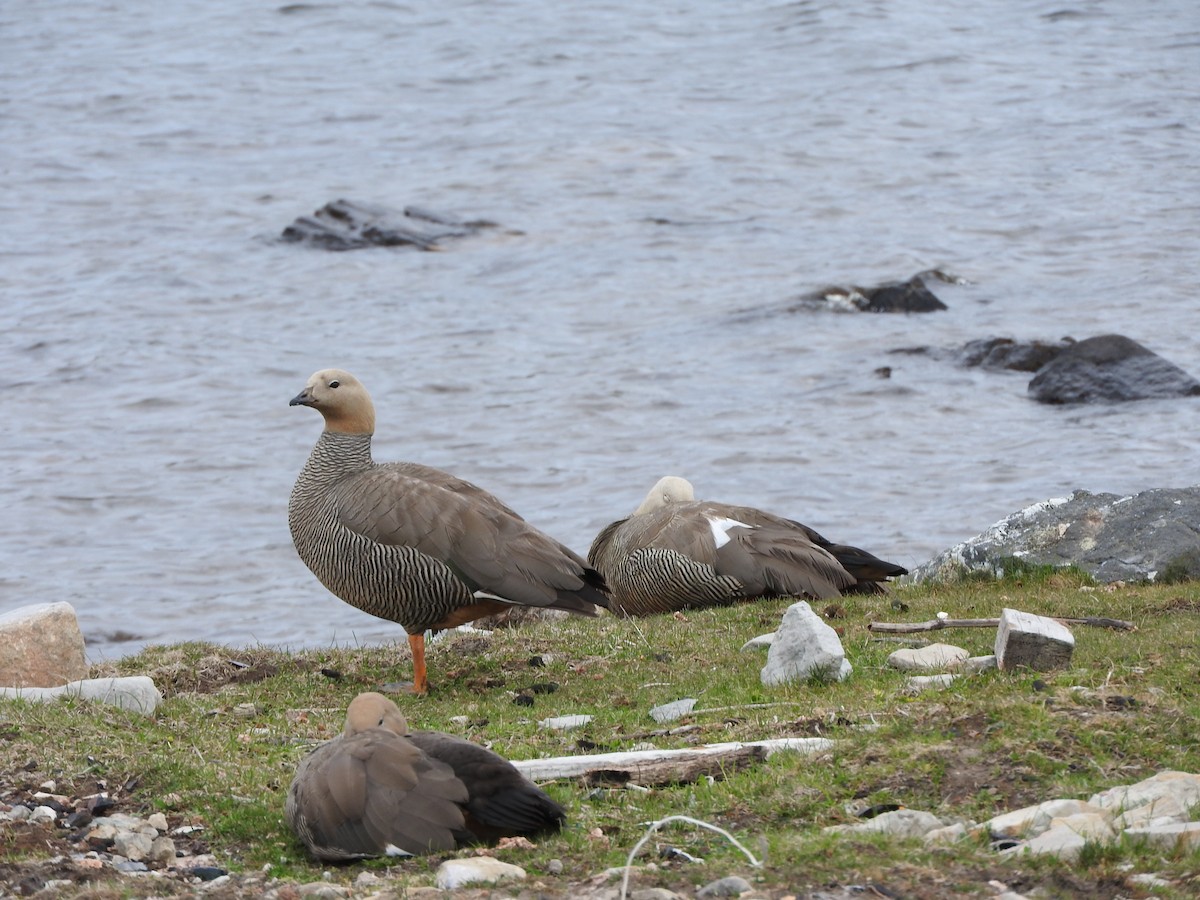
(1006, 353)
(1154, 535)
(1109, 368)
(348, 225)
(910, 296)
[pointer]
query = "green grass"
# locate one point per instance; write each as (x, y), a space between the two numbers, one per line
(222, 747)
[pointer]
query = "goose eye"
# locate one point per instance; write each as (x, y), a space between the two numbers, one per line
(335, 384)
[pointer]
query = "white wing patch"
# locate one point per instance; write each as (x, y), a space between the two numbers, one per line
(393, 850)
(721, 527)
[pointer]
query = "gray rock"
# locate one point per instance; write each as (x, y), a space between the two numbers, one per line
(654, 893)
(1006, 353)
(456, 873)
(1024, 640)
(900, 823)
(1180, 837)
(162, 851)
(912, 296)
(730, 886)
(41, 646)
(1147, 536)
(669, 712)
(804, 646)
(977, 664)
(932, 656)
(136, 693)
(42, 814)
(132, 845)
(1109, 368)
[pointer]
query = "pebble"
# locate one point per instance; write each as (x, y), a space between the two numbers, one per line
(915, 684)
(456, 873)
(933, 656)
(676, 709)
(564, 723)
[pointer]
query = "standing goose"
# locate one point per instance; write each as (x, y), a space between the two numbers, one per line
(379, 790)
(676, 552)
(411, 543)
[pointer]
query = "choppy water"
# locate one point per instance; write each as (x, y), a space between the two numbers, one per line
(155, 327)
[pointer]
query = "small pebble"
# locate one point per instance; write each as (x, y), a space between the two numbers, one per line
(555, 867)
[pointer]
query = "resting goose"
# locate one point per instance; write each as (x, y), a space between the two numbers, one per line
(676, 552)
(379, 790)
(413, 544)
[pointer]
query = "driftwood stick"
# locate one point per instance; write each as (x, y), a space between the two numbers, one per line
(637, 762)
(655, 772)
(936, 624)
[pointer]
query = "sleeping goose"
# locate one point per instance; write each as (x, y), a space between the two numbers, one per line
(413, 544)
(676, 552)
(379, 790)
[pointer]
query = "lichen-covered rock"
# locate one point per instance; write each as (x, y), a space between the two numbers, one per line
(1154, 535)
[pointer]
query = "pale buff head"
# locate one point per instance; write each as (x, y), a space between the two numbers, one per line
(371, 710)
(341, 399)
(670, 489)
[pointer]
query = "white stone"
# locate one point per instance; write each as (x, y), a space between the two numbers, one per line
(1032, 642)
(1031, 821)
(158, 820)
(676, 709)
(914, 684)
(564, 723)
(900, 823)
(1184, 787)
(456, 873)
(763, 640)
(1181, 836)
(136, 693)
(804, 646)
(933, 656)
(1063, 842)
(41, 646)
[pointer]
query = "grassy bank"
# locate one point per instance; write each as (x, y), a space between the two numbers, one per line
(221, 749)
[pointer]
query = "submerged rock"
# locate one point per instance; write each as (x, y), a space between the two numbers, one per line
(350, 225)
(912, 296)
(1109, 368)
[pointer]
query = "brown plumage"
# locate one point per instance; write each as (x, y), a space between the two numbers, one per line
(676, 552)
(379, 790)
(414, 544)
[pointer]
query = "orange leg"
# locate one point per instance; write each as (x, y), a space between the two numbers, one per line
(416, 643)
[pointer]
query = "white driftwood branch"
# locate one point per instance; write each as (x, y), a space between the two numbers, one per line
(937, 624)
(574, 766)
